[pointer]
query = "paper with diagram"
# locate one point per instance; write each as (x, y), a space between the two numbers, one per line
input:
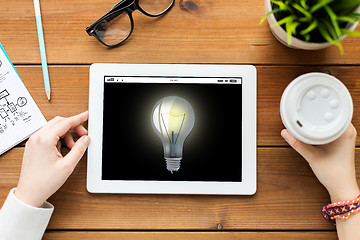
(19, 114)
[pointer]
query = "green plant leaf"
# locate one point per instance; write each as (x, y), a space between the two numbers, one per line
(304, 5)
(345, 7)
(289, 33)
(323, 31)
(291, 30)
(345, 19)
(330, 28)
(302, 10)
(333, 20)
(268, 14)
(311, 27)
(281, 4)
(284, 20)
(327, 37)
(303, 19)
(307, 37)
(319, 5)
(293, 27)
(350, 33)
(355, 15)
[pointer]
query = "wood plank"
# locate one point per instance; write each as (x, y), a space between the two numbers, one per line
(213, 32)
(70, 87)
(190, 235)
(289, 197)
(272, 81)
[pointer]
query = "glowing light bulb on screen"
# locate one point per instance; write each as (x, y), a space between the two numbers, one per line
(173, 119)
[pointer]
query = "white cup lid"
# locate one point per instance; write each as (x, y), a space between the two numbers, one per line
(316, 108)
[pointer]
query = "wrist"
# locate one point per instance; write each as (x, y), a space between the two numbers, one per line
(27, 199)
(344, 194)
(341, 209)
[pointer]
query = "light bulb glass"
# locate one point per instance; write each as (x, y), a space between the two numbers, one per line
(173, 119)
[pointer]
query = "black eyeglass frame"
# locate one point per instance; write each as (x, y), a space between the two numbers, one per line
(119, 8)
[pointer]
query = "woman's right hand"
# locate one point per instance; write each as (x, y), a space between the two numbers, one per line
(333, 163)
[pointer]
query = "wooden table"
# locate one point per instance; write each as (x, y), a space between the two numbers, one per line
(289, 198)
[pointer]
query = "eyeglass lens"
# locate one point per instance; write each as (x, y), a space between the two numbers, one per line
(155, 7)
(116, 28)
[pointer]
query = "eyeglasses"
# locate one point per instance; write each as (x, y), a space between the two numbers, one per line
(116, 26)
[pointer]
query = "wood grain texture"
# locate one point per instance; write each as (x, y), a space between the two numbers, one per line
(190, 235)
(70, 87)
(273, 80)
(213, 32)
(289, 197)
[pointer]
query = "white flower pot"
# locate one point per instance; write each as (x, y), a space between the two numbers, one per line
(281, 35)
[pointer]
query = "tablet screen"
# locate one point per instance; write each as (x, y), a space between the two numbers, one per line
(133, 149)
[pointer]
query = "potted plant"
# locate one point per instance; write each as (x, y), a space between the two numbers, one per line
(312, 24)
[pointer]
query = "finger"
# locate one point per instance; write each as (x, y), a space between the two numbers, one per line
(62, 127)
(69, 141)
(350, 133)
(353, 132)
(81, 130)
(77, 151)
(58, 146)
(51, 123)
(304, 149)
(346, 141)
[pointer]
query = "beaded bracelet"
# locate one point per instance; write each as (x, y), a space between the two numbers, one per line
(341, 209)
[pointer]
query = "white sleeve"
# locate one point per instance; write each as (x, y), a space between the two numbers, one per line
(21, 221)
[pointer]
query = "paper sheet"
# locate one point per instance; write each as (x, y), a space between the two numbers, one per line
(19, 114)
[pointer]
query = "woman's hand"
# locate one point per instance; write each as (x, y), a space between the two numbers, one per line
(44, 170)
(333, 163)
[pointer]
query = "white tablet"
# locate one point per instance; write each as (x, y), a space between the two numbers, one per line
(172, 129)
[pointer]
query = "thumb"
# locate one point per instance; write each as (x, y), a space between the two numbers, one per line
(78, 150)
(303, 149)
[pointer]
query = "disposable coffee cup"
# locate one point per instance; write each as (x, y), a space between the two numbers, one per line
(316, 108)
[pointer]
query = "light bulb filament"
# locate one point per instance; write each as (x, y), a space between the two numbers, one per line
(176, 114)
(176, 122)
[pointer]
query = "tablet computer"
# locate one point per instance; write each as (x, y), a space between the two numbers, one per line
(172, 129)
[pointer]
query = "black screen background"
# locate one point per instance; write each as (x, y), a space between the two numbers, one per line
(133, 151)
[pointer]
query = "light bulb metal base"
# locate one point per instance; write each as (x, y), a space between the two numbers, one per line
(173, 164)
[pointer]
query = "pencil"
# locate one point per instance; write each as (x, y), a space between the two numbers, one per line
(42, 49)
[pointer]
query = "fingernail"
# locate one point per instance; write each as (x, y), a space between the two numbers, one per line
(285, 134)
(87, 140)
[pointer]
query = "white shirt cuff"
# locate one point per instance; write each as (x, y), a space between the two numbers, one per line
(21, 221)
